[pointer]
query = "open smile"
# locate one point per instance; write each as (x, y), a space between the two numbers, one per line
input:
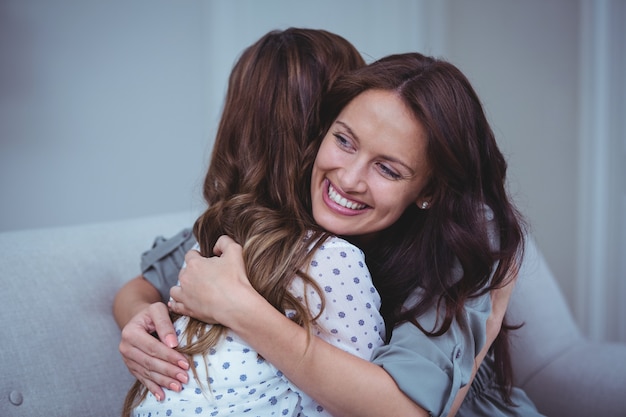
(334, 196)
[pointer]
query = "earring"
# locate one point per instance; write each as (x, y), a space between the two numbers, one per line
(424, 205)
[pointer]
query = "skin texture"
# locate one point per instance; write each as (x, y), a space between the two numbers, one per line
(372, 160)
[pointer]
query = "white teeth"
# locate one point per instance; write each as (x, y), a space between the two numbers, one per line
(342, 201)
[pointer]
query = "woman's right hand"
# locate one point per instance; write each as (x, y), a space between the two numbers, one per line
(153, 362)
(213, 289)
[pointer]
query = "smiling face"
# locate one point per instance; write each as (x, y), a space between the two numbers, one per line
(370, 167)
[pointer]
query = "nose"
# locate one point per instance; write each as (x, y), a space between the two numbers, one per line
(352, 178)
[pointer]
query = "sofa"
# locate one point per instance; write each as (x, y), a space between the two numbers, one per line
(59, 354)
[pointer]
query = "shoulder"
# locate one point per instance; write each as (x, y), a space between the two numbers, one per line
(336, 258)
(340, 246)
(335, 250)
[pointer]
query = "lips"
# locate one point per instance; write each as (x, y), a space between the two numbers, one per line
(339, 200)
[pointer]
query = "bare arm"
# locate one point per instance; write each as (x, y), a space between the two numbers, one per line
(133, 297)
(318, 368)
(139, 312)
(321, 370)
(499, 302)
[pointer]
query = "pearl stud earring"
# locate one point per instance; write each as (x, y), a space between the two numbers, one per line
(424, 205)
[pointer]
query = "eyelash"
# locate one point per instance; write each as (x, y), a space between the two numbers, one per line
(388, 172)
(343, 143)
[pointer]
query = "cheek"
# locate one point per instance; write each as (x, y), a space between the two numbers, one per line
(317, 164)
(326, 158)
(398, 199)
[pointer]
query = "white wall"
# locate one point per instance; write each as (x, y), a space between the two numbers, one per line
(523, 59)
(103, 111)
(551, 76)
(601, 266)
(107, 109)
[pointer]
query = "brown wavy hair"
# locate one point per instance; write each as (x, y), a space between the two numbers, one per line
(449, 251)
(270, 115)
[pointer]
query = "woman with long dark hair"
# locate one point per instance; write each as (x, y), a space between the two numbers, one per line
(403, 141)
(458, 239)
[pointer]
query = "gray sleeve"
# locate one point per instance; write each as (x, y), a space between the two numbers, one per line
(160, 265)
(431, 370)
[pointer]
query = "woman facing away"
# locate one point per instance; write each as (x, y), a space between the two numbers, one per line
(251, 191)
(402, 174)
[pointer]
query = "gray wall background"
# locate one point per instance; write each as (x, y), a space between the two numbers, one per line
(107, 109)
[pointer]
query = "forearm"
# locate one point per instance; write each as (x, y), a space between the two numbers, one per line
(499, 302)
(133, 297)
(320, 369)
(460, 396)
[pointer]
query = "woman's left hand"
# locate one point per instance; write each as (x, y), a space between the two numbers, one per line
(213, 289)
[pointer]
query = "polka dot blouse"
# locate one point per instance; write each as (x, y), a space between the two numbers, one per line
(233, 380)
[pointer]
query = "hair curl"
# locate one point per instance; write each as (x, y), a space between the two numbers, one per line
(270, 115)
(471, 236)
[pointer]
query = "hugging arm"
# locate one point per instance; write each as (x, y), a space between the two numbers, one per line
(344, 384)
(140, 313)
(139, 310)
(351, 319)
(321, 370)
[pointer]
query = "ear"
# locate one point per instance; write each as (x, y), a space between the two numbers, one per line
(424, 200)
(423, 204)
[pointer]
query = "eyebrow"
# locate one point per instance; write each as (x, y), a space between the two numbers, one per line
(385, 157)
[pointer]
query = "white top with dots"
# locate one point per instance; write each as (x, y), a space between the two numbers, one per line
(240, 382)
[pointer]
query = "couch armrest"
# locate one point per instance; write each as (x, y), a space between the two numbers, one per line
(59, 354)
(562, 372)
(589, 379)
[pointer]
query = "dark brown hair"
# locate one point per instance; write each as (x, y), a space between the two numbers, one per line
(471, 236)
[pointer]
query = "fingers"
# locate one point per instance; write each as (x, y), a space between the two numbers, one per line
(208, 286)
(163, 325)
(222, 244)
(153, 372)
(152, 386)
(192, 254)
(176, 306)
(151, 361)
(179, 307)
(155, 389)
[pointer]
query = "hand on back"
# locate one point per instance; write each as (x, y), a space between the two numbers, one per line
(213, 289)
(153, 361)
